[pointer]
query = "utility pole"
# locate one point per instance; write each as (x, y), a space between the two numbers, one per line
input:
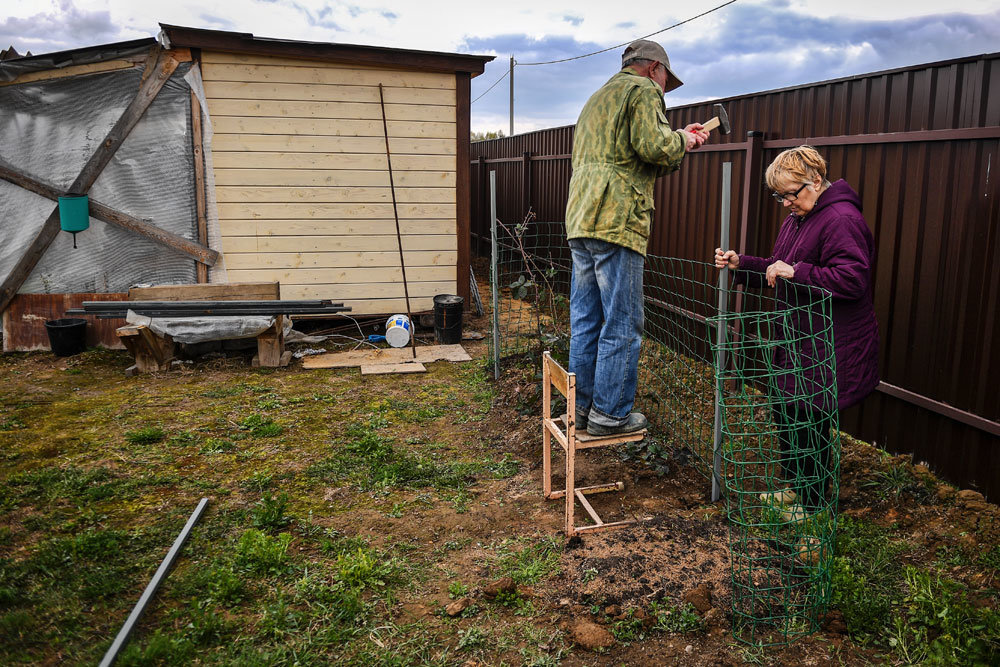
(511, 96)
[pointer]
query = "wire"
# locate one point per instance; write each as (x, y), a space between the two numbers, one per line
(587, 55)
(618, 46)
(505, 73)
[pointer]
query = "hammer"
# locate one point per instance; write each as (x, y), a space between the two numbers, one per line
(720, 120)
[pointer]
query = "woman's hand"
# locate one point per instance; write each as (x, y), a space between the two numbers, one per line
(777, 270)
(726, 260)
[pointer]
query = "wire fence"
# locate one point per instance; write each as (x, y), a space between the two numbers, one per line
(743, 379)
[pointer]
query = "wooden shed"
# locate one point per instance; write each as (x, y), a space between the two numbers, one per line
(289, 179)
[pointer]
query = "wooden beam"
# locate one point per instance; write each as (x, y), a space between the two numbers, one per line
(205, 256)
(164, 67)
(199, 181)
(463, 213)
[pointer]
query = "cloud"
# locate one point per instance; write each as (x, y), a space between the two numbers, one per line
(750, 49)
(58, 29)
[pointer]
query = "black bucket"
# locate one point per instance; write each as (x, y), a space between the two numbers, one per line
(68, 336)
(448, 318)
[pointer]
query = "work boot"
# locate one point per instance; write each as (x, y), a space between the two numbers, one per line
(636, 422)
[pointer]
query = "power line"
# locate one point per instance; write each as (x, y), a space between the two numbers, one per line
(618, 46)
(587, 55)
(505, 73)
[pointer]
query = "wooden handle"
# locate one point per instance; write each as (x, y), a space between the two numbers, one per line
(711, 124)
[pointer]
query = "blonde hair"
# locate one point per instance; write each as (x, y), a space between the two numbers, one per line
(800, 165)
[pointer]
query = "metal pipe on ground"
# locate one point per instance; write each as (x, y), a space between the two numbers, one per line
(161, 573)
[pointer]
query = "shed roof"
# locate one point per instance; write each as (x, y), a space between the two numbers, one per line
(244, 42)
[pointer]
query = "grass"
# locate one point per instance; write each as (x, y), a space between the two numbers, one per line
(919, 616)
(337, 503)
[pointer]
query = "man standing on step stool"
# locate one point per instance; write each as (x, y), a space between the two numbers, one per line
(622, 143)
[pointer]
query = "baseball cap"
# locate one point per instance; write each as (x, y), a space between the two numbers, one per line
(649, 50)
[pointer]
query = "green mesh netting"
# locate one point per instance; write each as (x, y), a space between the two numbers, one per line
(768, 366)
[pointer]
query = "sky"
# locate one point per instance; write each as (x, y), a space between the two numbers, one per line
(744, 47)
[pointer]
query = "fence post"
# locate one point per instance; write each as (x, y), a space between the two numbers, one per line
(720, 335)
(480, 204)
(494, 277)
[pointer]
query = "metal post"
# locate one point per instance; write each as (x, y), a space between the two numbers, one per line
(720, 336)
(494, 277)
(511, 96)
(161, 573)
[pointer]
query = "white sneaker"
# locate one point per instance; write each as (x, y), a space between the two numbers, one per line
(778, 497)
(792, 513)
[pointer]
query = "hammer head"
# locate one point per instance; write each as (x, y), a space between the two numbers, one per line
(720, 112)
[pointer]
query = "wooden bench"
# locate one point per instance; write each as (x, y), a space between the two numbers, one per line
(156, 353)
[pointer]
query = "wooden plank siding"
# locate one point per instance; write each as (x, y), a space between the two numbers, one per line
(302, 178)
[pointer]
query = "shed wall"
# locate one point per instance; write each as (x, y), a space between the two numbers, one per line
(302, 179)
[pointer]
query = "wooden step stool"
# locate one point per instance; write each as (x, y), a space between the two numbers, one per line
(565, 433)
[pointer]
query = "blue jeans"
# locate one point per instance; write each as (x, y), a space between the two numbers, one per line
(606, 319)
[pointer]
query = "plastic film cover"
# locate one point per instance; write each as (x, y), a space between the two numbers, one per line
(49, 130)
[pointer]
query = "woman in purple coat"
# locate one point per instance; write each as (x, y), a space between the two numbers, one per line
(824, 242)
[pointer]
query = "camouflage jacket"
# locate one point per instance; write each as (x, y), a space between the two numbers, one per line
(622, 143)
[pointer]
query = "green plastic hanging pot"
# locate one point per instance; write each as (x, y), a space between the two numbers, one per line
(74, 214)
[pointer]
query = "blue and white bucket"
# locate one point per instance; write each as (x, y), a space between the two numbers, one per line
(397, 330)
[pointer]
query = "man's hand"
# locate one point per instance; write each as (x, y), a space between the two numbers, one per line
(696, 136)
(778, 270)
(729, 259)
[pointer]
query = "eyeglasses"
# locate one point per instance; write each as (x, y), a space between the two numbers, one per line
(788, 196)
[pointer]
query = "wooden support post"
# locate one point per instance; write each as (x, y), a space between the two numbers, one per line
(199, 182)
(151, 352)
(271, 346)
(157, 75)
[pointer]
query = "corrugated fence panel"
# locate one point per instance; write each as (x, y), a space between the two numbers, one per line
(930, 200)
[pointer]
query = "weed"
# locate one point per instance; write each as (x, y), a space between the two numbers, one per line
(269, 512)
(182, 439)
(160, 649)
(676, 619)
(279, 619)
(262, 553)
(365, 568)
(214, 446)
(473, 638)
(427, 414)
(991, 558)
(651, 453)
(532, 563)
(224, 392)
(629, 628)
(17, 627)
(896, 480)
(205, 626)
(460, 501)
(941, 626)
(865, 578)
(221, 583)
(457, 589)
(589, 575)
(146, 436)
(260, 481)
(268, 403)
(504, 468)
(260, 427)
(11, 424)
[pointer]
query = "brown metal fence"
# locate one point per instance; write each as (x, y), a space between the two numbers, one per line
(919, 145)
